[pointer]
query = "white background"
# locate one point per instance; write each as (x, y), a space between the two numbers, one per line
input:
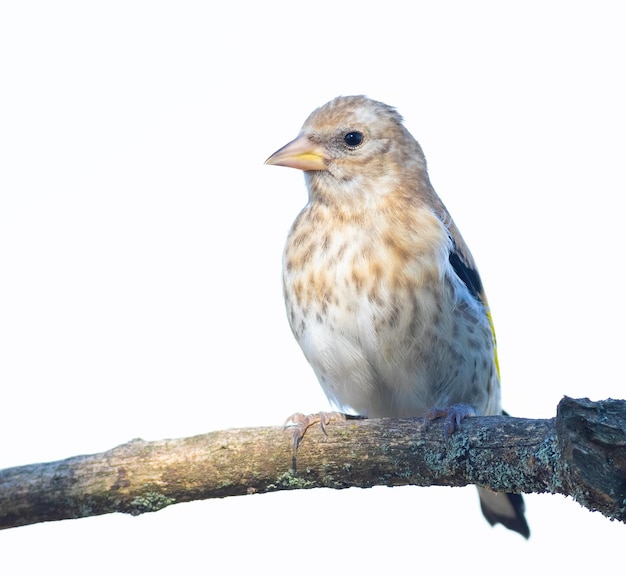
(141, 240)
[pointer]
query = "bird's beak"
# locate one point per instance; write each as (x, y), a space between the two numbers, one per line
(300, 153)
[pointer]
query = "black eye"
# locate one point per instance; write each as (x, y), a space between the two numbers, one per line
(353, 139)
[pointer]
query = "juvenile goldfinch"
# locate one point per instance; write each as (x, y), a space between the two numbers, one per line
(381, 291)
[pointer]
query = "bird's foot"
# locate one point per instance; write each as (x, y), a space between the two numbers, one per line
(300, 423)
(453, 416)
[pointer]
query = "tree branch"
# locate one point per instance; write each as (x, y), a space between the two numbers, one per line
(581, 453)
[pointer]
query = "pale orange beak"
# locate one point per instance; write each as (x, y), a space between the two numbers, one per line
(300, 153)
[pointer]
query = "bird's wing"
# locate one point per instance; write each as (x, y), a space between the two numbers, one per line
(506, 509)
(468, 274)
(463, 264)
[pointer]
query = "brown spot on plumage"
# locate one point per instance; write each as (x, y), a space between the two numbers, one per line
(375, 270)
(341, 251)
(344, 218)
(398, 249)
(357, 279)
(298, 290)
(318, 289)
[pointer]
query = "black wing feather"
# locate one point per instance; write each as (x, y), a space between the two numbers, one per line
(469, 276)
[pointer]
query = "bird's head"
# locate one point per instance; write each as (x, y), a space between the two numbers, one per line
(353, 145)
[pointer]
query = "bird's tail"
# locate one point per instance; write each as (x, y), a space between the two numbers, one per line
(506, 509)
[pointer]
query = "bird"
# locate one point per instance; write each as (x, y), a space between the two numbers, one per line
(381, 291)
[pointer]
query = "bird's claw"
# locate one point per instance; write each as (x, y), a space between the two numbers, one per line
(453, 416)
(302, 422)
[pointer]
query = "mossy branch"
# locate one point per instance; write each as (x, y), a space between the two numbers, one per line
(581, 453)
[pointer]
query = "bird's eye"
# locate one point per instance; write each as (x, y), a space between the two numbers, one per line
(353, 139)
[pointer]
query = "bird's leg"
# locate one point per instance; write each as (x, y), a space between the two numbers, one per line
(453, 416)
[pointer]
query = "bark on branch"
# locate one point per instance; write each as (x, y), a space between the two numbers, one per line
(581, 453)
